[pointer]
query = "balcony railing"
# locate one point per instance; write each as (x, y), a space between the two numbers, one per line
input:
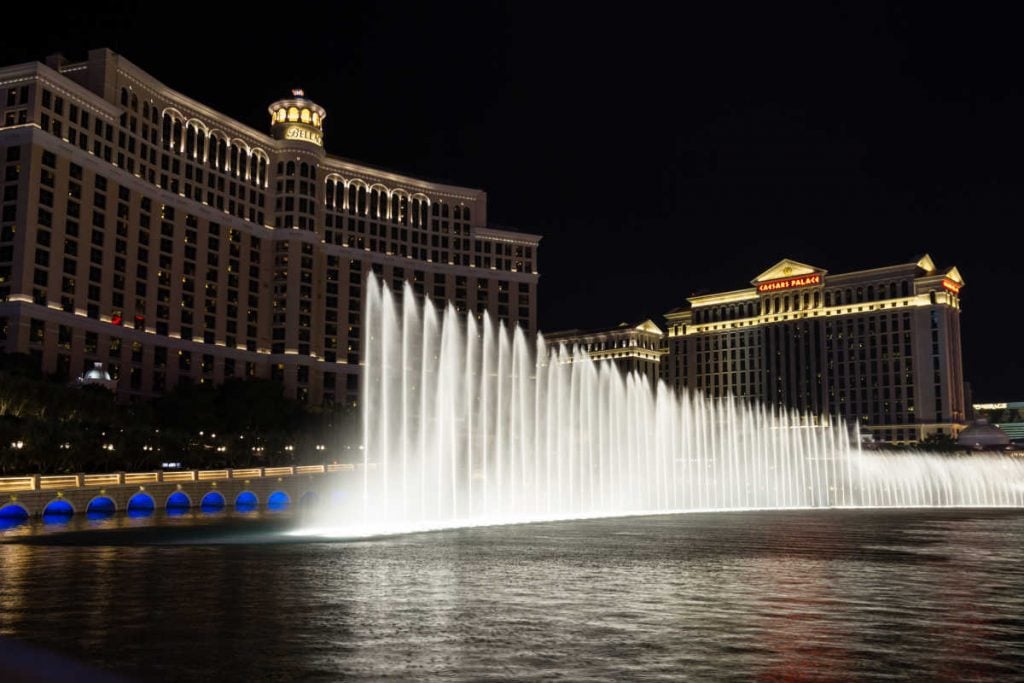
(74, 481)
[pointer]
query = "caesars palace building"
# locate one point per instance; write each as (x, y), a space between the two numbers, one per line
(879, 347)
(143, 230)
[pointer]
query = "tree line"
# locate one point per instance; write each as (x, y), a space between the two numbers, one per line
(49, 427)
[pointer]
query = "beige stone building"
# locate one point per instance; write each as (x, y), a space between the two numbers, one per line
(146, 231)
(632, 347)
(879, 347)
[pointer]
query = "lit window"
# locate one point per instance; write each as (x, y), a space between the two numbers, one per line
(305, 116)
(293, 113)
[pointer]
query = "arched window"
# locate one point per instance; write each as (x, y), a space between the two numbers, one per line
(135, 102)
(200, 146)
(293, 114)
(361, 201)
(145, 110)
(167, 131)
(234, 160)
(375, 203)
(905, 288)
(352, 198)
(305, 116)
(190, 141)
(828, 299)
(211, 159)
(177, 137)
(458, 213)
(465, 213)
(892, 290)
(254, 168)
(124, 97)
(289, 169)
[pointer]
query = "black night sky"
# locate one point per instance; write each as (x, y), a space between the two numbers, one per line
(660, 151)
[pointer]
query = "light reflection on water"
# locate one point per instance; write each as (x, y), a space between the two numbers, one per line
(782, 595)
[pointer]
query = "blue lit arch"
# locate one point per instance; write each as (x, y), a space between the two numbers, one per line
(11, 515)
(246, 501)
(141, 505)
(100, 506)
(278, 500)
(212, 501)
(57, 511)
(178, 503)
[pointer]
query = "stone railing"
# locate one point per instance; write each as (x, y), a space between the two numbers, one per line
(35, 482)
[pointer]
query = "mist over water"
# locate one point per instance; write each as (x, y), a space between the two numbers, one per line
(468, 422)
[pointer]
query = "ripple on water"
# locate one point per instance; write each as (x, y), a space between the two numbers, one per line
(775, 596)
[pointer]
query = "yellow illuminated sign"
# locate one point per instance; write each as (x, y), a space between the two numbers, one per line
(790, 283)
(303, 134)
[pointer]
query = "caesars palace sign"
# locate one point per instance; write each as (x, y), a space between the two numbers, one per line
(790, 283)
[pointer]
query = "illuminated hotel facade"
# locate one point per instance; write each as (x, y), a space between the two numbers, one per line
(879, 347)
(144, 230)
(633, 347)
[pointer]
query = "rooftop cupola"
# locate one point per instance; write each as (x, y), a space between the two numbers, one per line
(298, 119)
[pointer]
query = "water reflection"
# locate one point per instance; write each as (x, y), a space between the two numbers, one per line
(11, 522)
(779, 596)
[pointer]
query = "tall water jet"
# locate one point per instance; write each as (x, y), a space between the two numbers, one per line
(468, 422)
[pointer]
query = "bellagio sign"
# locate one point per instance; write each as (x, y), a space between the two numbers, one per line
(304, 134)
(790, 283)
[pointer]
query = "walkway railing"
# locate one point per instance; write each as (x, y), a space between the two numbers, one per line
(74, 481)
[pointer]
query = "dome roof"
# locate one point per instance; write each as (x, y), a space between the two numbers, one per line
(981, 434)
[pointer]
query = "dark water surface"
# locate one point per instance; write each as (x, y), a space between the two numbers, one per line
(829, 595)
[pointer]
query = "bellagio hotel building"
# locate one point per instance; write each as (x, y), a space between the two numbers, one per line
(146, 231)
(878, 347)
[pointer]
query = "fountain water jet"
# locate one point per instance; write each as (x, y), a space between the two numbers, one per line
(468, 423)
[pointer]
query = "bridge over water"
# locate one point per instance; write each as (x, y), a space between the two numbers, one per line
(273, 487)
